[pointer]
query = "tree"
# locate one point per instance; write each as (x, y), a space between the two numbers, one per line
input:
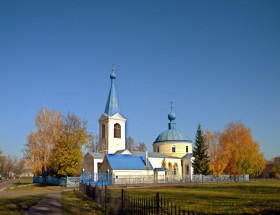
(66, 159)
(276, 166)
(218, 156)
(92, 143)
(142, 147)
(201, 161)
(40, 143)
(243, 152)
(130, 144)
(10, 166)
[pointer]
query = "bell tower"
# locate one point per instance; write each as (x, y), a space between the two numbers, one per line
(111, 123)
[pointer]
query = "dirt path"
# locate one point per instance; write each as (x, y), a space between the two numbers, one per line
(9, 193)
(51, 204)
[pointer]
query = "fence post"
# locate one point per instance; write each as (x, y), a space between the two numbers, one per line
(122, 201)
(157, 204)
(105, 196)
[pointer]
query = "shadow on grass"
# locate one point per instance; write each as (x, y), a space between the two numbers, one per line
(74, 202)
(16, 205)
(226, 198)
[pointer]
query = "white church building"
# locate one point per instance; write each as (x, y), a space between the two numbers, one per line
(171, 158)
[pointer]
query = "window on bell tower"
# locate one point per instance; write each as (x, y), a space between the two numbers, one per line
(103, 131)
(117, 130)
(173, 148)
(187, 149)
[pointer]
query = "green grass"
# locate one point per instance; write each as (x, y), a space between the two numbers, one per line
(74, 202)
(17, 205)
(25, 180)
(33, 187)
(258, 197)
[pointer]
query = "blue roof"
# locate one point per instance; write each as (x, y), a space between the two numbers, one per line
(112, 101)
(127, 162)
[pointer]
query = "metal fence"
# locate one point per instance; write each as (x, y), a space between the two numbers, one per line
(100, 179)
(62, 181)
(124, 204)
(216, 179)
(103, 179)
(156, 205)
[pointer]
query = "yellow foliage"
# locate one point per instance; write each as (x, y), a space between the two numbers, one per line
(243, 152)
(234, 151)
(56, 144)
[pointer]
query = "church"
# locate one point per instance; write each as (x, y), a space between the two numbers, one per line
(171, 159)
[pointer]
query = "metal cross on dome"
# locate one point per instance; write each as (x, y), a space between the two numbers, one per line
(171, 103)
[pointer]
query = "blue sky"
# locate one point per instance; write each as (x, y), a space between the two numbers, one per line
(218, 61)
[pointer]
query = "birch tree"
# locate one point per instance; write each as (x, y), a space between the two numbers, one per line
(40, 143)
(218, 156)
(66, 159)
(244, 156)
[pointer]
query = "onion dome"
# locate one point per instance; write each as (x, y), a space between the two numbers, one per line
(172, 134)
(171, 116)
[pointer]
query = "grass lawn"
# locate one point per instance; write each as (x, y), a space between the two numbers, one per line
(34, 187)
(256, 197)
(17, 205)
(26, 184)
(74, 202)
(25, 180)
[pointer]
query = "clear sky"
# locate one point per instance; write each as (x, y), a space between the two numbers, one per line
(218, 61)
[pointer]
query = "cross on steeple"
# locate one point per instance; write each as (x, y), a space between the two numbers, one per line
(113, 68)
(171, 103)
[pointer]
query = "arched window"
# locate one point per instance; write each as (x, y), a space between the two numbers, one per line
(187, 149)
(158, 149)
(173, 148)
(103, 131)
(117, 130)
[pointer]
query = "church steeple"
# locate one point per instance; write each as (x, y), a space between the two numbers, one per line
(112, 123)
(112, 101)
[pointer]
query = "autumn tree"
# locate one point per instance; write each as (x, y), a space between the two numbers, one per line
(2, 160)
(218, 156)
(276, 166)
(10, 166)
(67, 155)
(201, 162)
(243, 152)
(40, 143)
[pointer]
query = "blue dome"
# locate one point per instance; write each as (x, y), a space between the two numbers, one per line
(113, 75)
(172, 135)
(172, 116)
